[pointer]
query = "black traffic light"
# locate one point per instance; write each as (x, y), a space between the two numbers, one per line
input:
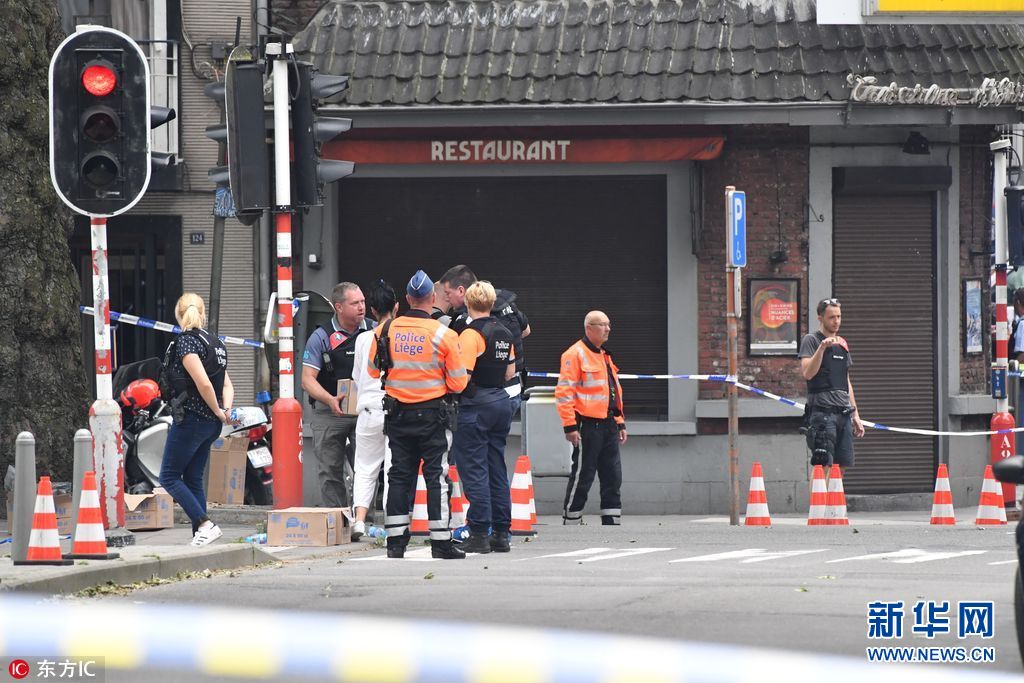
(247, 171)
(1015, 224)
(309, 172)
(100, 121)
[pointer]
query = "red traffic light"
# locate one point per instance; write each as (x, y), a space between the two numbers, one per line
(99, 79)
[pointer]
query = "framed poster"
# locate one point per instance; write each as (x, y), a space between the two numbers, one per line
(972, 316)
(773, 317)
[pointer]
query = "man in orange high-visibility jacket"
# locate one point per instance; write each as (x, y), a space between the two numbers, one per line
(589, 400)
(425, 366)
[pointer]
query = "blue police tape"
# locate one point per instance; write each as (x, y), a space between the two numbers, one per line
(269, 645)
(796, 404)
(166, 327)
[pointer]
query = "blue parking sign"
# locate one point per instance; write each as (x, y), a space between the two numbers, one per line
(736, 201)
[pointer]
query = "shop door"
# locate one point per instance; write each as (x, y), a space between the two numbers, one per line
(144, 267)
(884, 276)
(565, 245)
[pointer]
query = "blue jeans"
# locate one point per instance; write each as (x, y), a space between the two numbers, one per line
(184, 463)
(479, 445)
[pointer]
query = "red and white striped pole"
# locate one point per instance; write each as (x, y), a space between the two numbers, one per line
(286, 412)
(1001, 445)
(105, 415)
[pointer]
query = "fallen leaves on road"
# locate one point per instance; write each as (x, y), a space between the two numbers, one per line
(429, 575)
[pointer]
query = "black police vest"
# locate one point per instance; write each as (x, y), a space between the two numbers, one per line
(215, 365)
(833, 374)
(489, 371)
(338, 364)
(505, 312)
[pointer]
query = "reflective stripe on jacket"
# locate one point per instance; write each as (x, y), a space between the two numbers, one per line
(425, 358)
(583, 385)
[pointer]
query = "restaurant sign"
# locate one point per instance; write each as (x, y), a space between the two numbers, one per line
(991, 93)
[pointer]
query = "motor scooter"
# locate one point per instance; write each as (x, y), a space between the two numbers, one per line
(146, 420)
(1011, 471)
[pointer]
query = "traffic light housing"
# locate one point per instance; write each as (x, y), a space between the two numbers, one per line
(309, 172)
(1015, 224)
(100, 121)
(247, 171)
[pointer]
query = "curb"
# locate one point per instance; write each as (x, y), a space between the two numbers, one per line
(79, 577)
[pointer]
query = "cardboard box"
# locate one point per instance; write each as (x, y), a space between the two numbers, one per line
(62, 505)
(309, 526)
(226, 482)
(151, 511)
(348, 396)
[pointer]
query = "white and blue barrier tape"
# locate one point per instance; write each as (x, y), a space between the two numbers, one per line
(796, 404)
(166, 327)
(270, 645)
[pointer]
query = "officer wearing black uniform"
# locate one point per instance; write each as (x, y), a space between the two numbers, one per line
(831, 415)
(485, 416)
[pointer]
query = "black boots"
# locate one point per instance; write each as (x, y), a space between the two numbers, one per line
(477, 543)
(443, 550)
(500, 542)
(396, 546)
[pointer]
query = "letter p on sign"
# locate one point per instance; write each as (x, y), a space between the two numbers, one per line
(736, 209)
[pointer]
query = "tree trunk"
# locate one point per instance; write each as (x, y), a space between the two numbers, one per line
(43, 387)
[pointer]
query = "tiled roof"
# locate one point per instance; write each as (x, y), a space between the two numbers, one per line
(455, 52)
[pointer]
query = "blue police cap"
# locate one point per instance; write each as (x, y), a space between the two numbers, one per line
(420, 286)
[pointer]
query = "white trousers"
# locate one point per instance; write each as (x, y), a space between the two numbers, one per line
(371, 453)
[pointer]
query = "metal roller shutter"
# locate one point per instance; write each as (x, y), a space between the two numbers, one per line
(884, 278)
(565, 245)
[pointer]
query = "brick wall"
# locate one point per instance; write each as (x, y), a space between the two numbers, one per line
(975, 210)
(770, 163)
(298, 11)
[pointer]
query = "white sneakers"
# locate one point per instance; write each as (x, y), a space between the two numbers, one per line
(358, 530)
(208, 533)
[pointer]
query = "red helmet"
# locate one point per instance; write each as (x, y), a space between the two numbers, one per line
(140, 393)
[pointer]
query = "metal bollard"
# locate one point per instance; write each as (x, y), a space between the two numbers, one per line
(24, 494)
(83, 464)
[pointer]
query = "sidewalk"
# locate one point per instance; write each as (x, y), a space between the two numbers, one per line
(162, 554)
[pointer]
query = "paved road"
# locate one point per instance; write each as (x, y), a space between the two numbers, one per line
(789, 587)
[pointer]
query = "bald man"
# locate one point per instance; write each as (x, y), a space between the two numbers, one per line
(589, 401)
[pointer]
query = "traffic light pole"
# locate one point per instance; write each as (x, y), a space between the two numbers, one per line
(287, 413)
(1001, 445)
(105, 415)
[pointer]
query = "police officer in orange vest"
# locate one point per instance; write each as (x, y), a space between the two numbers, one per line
(419, 362)
(589, 401)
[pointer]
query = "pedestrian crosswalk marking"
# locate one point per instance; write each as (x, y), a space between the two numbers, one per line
(574, 553)
(625, 553)
(910, 556)
(418, 555)
(748, 555)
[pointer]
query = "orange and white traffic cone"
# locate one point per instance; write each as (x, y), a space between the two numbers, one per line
(836, 513)
(819, 499)
(991, 510)
(942, 503)
(44, 542)
(529, 479)
(90, 541)
(420, 523)
(521, 497)
(757, 500)
(459, 503)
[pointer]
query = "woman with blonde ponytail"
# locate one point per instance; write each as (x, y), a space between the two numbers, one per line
(197, 363)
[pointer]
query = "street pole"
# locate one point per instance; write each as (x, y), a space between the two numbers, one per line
(286, 412)
(1001, 445)
(105, 415)
(731, 314)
